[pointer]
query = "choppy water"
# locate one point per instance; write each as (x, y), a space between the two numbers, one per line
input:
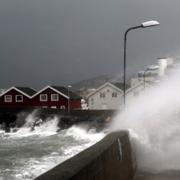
(26, 154)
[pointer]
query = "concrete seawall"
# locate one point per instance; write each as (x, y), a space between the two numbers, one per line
(109, 159)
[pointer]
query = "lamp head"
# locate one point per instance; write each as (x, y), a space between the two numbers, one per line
(152, 68)
(149, 24)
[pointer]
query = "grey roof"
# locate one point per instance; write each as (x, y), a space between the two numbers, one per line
(27, 90)
(65, 92)
(120, 85)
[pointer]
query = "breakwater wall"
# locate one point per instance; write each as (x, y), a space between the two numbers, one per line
(109, 159)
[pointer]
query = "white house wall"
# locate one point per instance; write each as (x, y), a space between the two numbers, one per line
(107, 102)
(134, 92)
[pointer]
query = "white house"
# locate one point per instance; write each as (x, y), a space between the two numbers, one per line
(107, 96)
(110, 95)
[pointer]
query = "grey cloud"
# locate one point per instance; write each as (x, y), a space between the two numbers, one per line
(62, 41)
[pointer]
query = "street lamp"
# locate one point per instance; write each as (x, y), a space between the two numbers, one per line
(143, 25)
(69, 86)
(150, 68)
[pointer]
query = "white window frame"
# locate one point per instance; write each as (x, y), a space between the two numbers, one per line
(114, 94)
(102, 94)
(53, 107)
(54, 99)
(43, 100)
(8, 101)
(62, 107)
(21, 98)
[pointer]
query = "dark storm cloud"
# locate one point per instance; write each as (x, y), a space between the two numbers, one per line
(61, 41)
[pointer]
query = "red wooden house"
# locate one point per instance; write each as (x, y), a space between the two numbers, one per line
(17, 97)
(56, 97)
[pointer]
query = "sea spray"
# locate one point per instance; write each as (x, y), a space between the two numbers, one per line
(153, 120)
(78, 132)
(33, 125)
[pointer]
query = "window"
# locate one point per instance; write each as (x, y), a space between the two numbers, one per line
(54, 97)
(19, 98)
(102, 95)
(53, 107)
(43, 97)
(62, 107)
(8, 98)
(114, 94)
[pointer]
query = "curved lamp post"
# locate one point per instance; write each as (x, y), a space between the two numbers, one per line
(143, 25)
(150, 68)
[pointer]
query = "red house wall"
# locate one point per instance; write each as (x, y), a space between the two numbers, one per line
(75, 104)
(35, 101)
(62, 101)
(26, 101)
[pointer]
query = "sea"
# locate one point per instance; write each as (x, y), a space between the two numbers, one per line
(26, 152)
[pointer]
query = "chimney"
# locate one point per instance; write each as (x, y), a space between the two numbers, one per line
(162, 66)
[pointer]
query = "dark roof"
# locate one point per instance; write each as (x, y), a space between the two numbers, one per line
(65, 92)
(27, 90)
(120, 85)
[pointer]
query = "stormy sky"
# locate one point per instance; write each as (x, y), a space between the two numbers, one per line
(64, 41)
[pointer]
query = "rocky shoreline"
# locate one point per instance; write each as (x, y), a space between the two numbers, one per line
(15, 118)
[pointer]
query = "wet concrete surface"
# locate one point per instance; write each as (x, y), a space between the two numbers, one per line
(157, 177)
(160, 176)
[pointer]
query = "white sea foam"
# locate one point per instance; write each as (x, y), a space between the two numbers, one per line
(153, 120)
(2, 133)
(46, 128)
(39, 146)
(38, 151)
(79, 133)
(36, 166)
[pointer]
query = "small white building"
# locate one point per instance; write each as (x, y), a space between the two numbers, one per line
(107, 96)
(84, 104)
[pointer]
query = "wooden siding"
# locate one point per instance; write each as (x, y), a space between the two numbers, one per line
(75, 104)
(26, 101)
(62, 102)
(36, 103)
